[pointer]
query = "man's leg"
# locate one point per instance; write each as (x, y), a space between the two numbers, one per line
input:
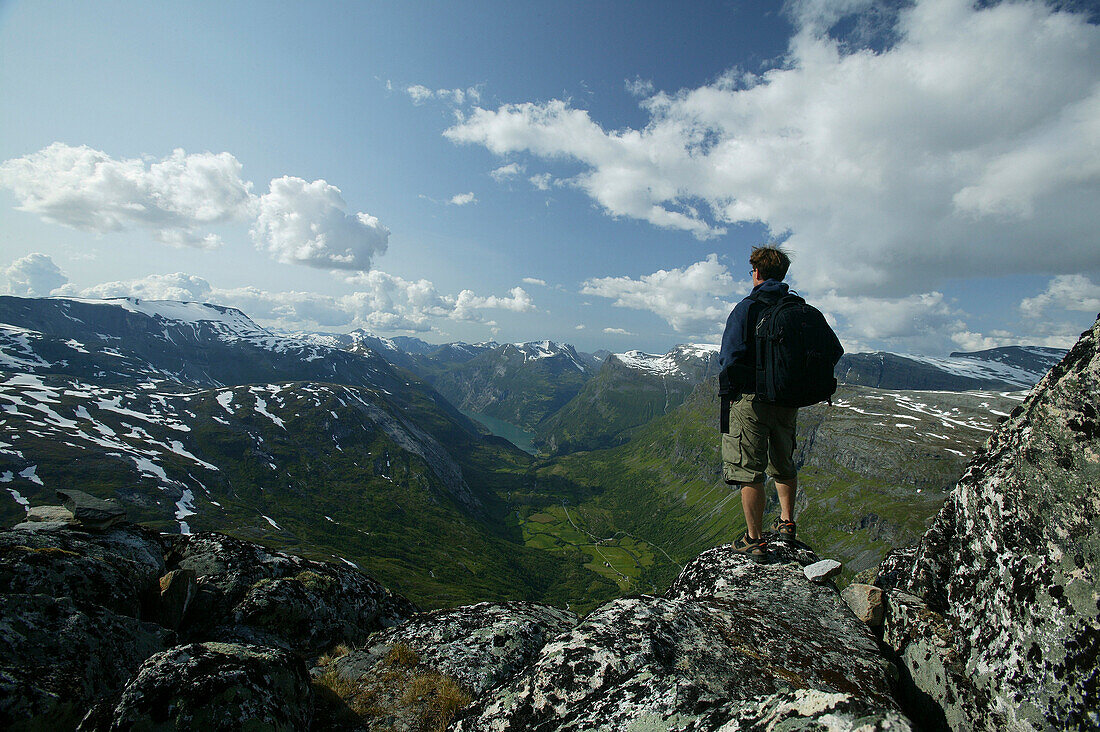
(752, 502)
(786, 488)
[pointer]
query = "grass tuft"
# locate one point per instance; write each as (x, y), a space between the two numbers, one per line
(402, 656)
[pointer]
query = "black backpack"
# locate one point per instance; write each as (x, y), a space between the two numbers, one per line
(796, 352)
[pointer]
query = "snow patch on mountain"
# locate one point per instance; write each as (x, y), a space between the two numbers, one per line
(16, 349)
(981, 369)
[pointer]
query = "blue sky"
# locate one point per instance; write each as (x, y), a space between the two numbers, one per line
(594, 173)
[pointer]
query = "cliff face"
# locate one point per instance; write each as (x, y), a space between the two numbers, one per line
(997, 613)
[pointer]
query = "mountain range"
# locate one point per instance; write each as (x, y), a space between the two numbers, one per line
(352, 448)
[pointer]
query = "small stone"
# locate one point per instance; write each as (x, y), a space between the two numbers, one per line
(49, 513)
(823, 570)
(92, 512)
(177, 589)
(866, 601)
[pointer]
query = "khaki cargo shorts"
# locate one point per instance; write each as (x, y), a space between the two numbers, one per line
(760, 442)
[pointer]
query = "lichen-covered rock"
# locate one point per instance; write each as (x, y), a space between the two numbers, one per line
(250, 594)
(117, 569)
(729, 634)
(477, 645)
(1012, 567)
(58, 658)
(810, 709)
(209, 686)
(929, 660)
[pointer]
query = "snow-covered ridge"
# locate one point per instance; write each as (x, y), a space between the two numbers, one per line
(671, 363)
(535, 350)
(227, 324)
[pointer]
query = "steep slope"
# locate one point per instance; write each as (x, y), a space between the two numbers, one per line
(1004, 628)
(519, 383)
(629, 390)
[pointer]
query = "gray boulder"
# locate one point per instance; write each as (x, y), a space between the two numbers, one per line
(57, 658)
(91, 512)
(117, 569)
(250, 594)
(731, 640)
(1003, 626)
(211, 686)
(821, 571)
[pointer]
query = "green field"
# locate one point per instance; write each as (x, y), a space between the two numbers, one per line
(566, 529)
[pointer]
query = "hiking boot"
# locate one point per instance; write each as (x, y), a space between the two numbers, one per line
(784, 531)
(755, 548)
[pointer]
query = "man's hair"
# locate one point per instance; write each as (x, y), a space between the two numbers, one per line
(771, 262)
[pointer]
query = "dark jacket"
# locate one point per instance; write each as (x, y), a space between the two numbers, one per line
(739, 338)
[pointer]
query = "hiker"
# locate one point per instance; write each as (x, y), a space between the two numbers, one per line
(762, 388)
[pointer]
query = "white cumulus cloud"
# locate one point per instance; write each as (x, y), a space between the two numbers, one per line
(1064, 292)
(462, 199)
(542, 181)
(308, 223)
(181, 196)
(967, 142)
(534, 281)
(458, 96)
(34, 275)
(506, 172)
(174, 286)
(418, 93)
(176, 198)
(381, 301)
(692, 300)
(920, 323)
(617, 331)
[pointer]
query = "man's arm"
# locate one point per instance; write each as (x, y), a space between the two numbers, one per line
(735, 336)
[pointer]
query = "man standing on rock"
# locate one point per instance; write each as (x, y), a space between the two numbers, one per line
(760, 400)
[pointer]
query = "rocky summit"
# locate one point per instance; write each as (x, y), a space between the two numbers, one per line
(123, 628)
(732, 645)
(996, 614)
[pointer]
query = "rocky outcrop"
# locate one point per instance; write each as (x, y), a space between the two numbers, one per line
(250, 594)
(211, 686)
(477, 645)
(996, 615)
(116, 569)
(82, 610)
(733, 644)
(418, 674)
(58, 657)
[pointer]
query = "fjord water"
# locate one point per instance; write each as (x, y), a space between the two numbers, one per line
(518, 436)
